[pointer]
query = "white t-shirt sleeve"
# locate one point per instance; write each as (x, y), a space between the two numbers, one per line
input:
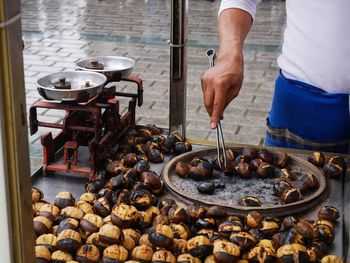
(246, 5)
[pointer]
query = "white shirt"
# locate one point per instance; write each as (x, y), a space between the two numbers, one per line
(316, 47)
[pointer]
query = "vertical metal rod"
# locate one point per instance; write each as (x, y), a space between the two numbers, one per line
(178, 66)
(14, 145)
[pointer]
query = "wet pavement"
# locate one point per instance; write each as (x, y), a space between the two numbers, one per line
(57, 33)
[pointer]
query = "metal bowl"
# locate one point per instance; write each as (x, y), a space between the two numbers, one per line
(113, 67)
(79, 85)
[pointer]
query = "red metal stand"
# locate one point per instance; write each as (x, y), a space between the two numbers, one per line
(96, 124)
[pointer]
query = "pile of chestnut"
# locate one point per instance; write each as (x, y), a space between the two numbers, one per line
(334, 167)
(248, 163)
(138, 229)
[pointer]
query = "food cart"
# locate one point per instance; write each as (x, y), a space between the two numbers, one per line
(17, 221)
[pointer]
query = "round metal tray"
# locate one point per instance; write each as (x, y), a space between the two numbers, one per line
(114, 68)
(185, 189)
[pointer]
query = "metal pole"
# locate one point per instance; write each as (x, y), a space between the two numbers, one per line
(178, 66)
(14, 136)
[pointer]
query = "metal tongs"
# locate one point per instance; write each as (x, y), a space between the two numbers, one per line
(220, 142)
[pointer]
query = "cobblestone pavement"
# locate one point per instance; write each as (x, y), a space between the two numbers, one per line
(57, 33)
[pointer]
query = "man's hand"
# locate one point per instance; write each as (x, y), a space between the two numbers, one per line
(221, 84)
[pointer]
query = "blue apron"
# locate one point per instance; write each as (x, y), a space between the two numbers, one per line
(303, 116)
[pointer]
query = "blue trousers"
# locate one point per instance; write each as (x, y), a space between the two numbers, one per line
(303, 116)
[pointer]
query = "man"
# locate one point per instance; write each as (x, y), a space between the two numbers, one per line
(310, 108)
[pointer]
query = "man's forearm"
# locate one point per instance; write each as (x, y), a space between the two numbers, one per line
(234, 25)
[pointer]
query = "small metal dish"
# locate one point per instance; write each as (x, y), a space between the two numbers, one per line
(113, 67)
(71, 85)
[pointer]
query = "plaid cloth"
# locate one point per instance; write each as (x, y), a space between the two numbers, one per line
(305, 117)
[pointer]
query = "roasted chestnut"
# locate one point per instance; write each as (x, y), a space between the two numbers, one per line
(261, 255)
(180, 231)
(91, 223)
(269, 227)
(162, 236)
(279, 186)
(85, 207)
(265, 170)
(155, 156)
(338, 160)
(207, 187)
(195, 211)
(163, 256)
(93, 187)
(144, 240)
(301, 185)
(284, 173)
(50, 211)
(250, 201)
(255, 163)
(152, 179)
(114, 167)
(64, 199)
(333, 170)
(182, 147)
(253, 219)
(320, 248)
(325, 233)
(311, 180)
(316, 158)
(68, 223)
(88, 197)
(124, 215)
(42, 254)
(187, 258)
(37, 195)
(141, 199)
(47, 240)
(203, 171)
(306, 229)
(88, 253)
(179, 247)
(142, 253)
(177, 215)
(130, 159)
(110, 234)
(142, 166)
(225, 251)
(42, 225)
(250, 153)
(291, 195)
(69, 240)
(266, 156)
(243, 239)
(289, 222)
(61, 257)
(94, 239)
(292, 253)
(182, 169)
(331, 259)
(207, 222)
(72, 212)
(115, 254)
(199, 246)
(243, 169)
(329, 212)
(281, 159)
(145, 220)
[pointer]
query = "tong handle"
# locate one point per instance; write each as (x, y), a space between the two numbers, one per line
(220, 142)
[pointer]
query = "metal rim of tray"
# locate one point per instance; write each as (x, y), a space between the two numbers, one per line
(279, 210)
